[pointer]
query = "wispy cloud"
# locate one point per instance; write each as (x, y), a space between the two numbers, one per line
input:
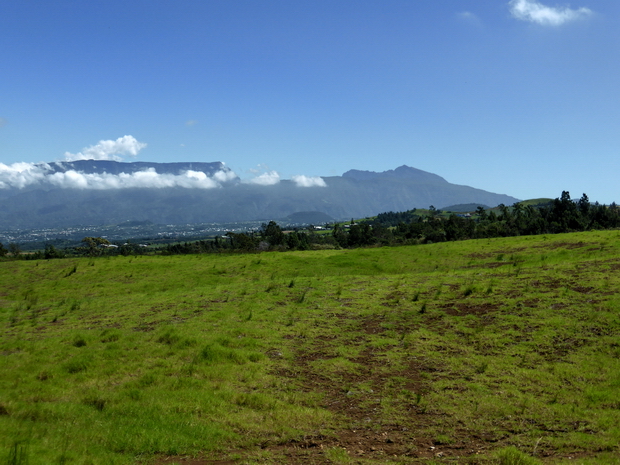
(109, 150)
(3, 121)
(306, 181)
(535, 12)
(469, 17)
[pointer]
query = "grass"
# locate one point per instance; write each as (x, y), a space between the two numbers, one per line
(489, 351)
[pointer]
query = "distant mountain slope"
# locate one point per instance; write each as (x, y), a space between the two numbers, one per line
(356, 194)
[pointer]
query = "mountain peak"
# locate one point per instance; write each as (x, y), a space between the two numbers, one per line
(402, 172)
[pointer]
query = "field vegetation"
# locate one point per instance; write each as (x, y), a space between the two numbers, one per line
(487, 351)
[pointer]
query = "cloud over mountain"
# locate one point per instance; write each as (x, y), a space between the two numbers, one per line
(148, 178)
(305, 181)
(266, 179)
(75, 173)
(61, 174)
(22, 175)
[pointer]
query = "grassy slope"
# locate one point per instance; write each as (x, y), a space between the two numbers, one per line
(403, 355)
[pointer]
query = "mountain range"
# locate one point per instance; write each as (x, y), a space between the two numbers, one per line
(103, 192)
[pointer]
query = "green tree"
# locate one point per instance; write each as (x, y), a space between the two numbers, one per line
(14, 249)
(243, 241)
(93, 245)
(52, 252)
(272, 233)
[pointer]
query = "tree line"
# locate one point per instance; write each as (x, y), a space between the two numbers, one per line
(412, 227)
(401, 228)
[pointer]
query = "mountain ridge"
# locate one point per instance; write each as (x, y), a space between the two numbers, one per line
(355, 194)
(117, 167)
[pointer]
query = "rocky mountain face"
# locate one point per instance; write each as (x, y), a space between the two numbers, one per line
(355, 194)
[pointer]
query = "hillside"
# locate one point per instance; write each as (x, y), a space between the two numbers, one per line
(492, 351)
(106, 192)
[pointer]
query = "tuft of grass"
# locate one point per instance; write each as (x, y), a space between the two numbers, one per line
(79, 341)
(302, 297)
(72, 271)
(18, 453)
(76, 364)
(169, 337)
(215, 353)
(95, 401)
(338, 456)
(513, 456)
(468, 290)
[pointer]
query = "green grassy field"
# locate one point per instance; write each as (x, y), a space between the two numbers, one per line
(501, 351)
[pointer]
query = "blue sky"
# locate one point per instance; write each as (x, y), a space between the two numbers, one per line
(517, 97)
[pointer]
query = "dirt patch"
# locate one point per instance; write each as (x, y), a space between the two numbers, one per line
(547, 283)
(563, 245)
(193, 461)
(582, 289)
(495, 253)
(463, 309)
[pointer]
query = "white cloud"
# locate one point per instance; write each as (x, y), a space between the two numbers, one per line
(20, 175)
(306, 181)
(225, 176)
(3, 121)
(266, 179)
(109, 150)
(142, 179)
(536, 12)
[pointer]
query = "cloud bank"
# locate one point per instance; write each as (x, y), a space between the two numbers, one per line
(535, 12)
(108, 150)
(142, 179)
(21, 175)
